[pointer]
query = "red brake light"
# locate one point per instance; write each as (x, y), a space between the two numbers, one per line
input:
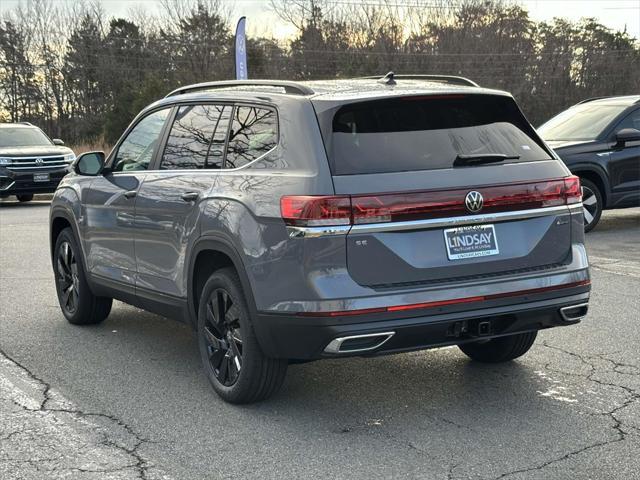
(306, 210)
(359, 209)
(572, 190)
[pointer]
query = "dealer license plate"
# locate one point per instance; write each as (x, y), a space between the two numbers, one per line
(470, 242)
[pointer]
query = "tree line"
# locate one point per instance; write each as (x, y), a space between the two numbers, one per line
(82, 75)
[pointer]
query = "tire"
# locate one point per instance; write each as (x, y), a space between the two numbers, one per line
(78, 303)
(501, 349)
(231, 356)
(592, 204)
(25, 198)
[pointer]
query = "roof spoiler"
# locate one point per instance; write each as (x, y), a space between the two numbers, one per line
(390, 79)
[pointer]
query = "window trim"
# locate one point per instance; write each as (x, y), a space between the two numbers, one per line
(114, 152)
(234, 105)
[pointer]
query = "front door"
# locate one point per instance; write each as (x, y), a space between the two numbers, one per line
(110, 204)
(624, 164)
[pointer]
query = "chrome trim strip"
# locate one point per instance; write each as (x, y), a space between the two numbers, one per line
(576, 208)
(455, 221)
(573, 319)
(31, 167)
(314, 232)
(60, 155)
(335, 344)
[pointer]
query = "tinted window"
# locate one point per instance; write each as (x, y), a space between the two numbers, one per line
(136, 151)
(22, 137)
(424, 133)
(582, 122)
(254, 131)
(190, 137)
(631, 121)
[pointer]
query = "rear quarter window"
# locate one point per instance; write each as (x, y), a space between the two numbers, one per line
(253, 132)
(428, 132)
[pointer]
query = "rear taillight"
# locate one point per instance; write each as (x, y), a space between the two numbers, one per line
(309, 211)
(394, 207)
(572, 190)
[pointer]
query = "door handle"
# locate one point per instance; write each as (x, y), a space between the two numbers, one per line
(130, 194)
(190, 196)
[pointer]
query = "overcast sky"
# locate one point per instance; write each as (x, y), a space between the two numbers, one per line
(616, 14)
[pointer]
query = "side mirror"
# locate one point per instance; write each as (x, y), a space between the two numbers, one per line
(90, 163)
(57, 141)
(627, 135)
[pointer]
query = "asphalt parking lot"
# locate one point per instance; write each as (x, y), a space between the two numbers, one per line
(127, 399)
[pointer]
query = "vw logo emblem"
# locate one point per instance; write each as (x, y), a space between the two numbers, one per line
(474, 201)
(39, 161)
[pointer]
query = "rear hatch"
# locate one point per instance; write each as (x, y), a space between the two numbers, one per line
(446, 188)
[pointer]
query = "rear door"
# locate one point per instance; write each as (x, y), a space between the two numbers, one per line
(168, 203)
(445, 188)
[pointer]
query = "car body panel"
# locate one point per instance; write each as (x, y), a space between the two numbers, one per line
(109, 226)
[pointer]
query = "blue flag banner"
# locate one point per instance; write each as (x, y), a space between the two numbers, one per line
(241, 51)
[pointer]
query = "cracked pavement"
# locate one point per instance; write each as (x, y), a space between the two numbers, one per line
(127, 399)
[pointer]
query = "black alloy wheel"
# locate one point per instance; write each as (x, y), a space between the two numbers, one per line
(78, 303)
(67, 276)
(233, 361)
(222, 334)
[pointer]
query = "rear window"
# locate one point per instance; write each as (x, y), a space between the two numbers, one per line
(428, 132)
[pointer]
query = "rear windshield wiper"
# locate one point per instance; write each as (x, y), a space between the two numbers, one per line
(480, 158)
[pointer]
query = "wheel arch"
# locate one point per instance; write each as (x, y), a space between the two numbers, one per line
(61, 219)
(595, 175)
(208, 255)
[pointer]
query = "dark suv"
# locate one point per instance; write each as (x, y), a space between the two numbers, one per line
(30, 162)
(298, 221)
(599, 140)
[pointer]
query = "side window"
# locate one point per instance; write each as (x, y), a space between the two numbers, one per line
(630, 121)
(136, 151)
(254, 131)
(188, 145)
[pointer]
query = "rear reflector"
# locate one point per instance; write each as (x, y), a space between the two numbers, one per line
(358, 209)
(444, 303)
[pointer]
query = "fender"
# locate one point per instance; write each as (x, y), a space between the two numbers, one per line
(62, 212)
(221, 244)
(578, 168)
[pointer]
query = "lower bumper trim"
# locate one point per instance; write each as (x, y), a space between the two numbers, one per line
(443, 303)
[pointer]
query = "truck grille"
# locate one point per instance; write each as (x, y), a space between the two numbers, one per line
(37, 163)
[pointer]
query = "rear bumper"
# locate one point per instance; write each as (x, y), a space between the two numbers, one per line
(18, 183)
(307, 338)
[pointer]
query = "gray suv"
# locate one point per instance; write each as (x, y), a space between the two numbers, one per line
(289, 222)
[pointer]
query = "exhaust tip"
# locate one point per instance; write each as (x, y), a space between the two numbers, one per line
(574, 313)
(358, 343)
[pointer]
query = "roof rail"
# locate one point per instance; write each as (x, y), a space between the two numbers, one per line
(390, 78)
(26, 123)
(292, 88)
(587, 100)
